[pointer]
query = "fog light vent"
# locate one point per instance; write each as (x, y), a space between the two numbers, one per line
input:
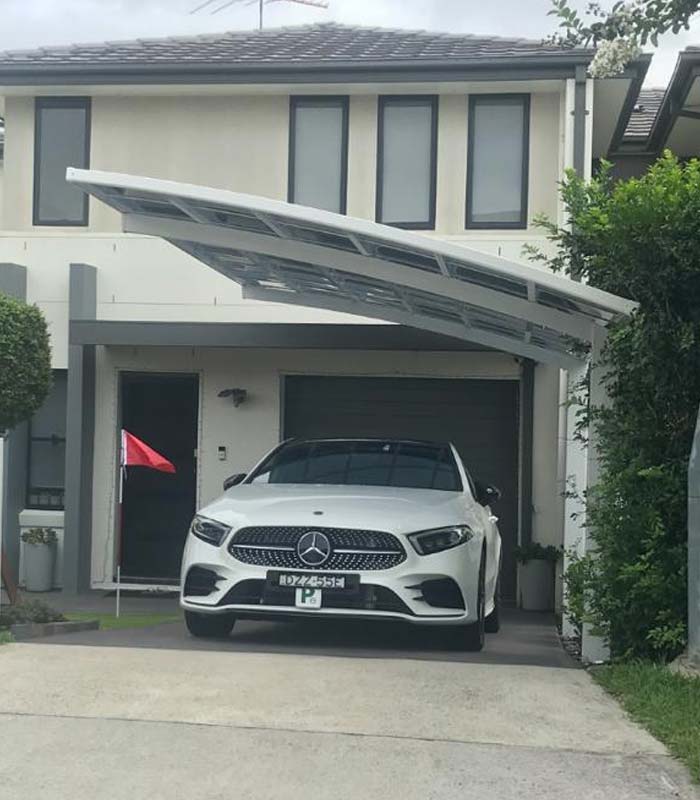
(200, 582)
(441, 593)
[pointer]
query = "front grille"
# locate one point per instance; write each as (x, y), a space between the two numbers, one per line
(351, 550)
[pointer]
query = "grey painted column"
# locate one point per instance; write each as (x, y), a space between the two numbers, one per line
(580, 120)
(527, 410)
(80, 436)
(13, 282)
(694, 549)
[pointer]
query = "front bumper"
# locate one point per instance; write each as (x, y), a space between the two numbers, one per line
(426, 590)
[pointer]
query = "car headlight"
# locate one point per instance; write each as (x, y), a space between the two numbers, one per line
(209, 530)
(427, 542)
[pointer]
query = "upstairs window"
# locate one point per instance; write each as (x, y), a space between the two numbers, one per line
(61, 140)
(47, 449)
(497, 161)
(407, 161)
(318, 152)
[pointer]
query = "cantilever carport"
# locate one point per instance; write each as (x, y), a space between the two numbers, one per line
(279, 252)
(284, 253)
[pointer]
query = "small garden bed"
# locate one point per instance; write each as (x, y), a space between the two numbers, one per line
(28, 611)
(31, 619)
(665, 703)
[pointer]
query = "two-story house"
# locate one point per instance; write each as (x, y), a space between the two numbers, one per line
(462, 139)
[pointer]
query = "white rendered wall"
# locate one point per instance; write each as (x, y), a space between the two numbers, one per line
(241, 142)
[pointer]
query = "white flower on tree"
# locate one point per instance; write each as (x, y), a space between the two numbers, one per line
(612, 56)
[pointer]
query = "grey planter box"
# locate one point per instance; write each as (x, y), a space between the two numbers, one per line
(38, 571)
(537, 585)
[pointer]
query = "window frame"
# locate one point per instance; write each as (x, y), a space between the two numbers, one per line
(431, 100)
(521, 223)
(40, 104)
(341, 101)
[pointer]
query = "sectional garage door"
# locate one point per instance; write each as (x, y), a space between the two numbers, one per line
(479, 416)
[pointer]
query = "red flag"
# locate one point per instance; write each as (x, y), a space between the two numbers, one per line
(136, 453)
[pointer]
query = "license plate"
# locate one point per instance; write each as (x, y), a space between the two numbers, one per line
(290, 580)
(307, 598)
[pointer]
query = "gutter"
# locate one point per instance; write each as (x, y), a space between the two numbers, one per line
(555, 65)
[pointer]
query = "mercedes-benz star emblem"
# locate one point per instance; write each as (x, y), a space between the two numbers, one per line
(313, 548)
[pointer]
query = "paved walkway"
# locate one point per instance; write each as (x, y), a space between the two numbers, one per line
(266, 715)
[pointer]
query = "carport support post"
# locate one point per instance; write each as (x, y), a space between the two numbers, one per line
(594, 648)
(576, 479)
(80, 434)
(694, 549)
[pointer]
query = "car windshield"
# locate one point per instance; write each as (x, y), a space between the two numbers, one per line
(414, 465)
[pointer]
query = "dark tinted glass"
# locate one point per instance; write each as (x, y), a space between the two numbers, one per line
(61, 141)
(363, 463)
(47, 449)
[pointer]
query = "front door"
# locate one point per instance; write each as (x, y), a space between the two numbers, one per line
(162, 411)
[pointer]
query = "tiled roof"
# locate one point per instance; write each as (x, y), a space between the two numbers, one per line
(644, 113)
(324, 44)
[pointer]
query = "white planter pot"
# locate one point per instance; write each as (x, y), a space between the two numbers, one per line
(537, 585)
(38, 570)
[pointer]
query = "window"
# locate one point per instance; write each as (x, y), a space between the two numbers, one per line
(318, 152)
(407, 161)
(61, 140)
(497, 161)
(47, 449)
(414, 465)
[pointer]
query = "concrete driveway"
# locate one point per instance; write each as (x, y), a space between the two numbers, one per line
(285, 711)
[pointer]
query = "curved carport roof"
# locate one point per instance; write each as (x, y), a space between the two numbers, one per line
(286, 253)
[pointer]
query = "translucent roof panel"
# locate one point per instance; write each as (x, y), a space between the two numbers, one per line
(287, 253)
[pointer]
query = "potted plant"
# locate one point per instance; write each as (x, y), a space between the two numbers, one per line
(537, 575)
(39, 556)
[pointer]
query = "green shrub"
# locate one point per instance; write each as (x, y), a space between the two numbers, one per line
(25, 361)
(39, 536)
(28, 611)
(640, 239)
(577, 578)
(534, 551)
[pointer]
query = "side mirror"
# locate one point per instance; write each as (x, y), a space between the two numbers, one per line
(234, 480)
(492, 494)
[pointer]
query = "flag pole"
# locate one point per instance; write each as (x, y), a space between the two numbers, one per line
(120, 524)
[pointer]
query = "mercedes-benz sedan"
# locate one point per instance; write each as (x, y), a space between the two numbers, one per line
(352, 528)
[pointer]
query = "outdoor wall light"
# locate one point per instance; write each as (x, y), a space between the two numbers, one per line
(237, 395)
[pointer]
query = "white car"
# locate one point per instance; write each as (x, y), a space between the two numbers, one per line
(351, 528)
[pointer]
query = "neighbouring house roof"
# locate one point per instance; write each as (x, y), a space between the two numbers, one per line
(682, 86)
(644, 113)
(323, 46)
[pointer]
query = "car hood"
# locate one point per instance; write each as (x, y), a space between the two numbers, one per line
(390, 509)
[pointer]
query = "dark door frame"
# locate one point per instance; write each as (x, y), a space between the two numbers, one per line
(147, 373)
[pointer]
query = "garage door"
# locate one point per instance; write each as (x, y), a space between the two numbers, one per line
(479, 416)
